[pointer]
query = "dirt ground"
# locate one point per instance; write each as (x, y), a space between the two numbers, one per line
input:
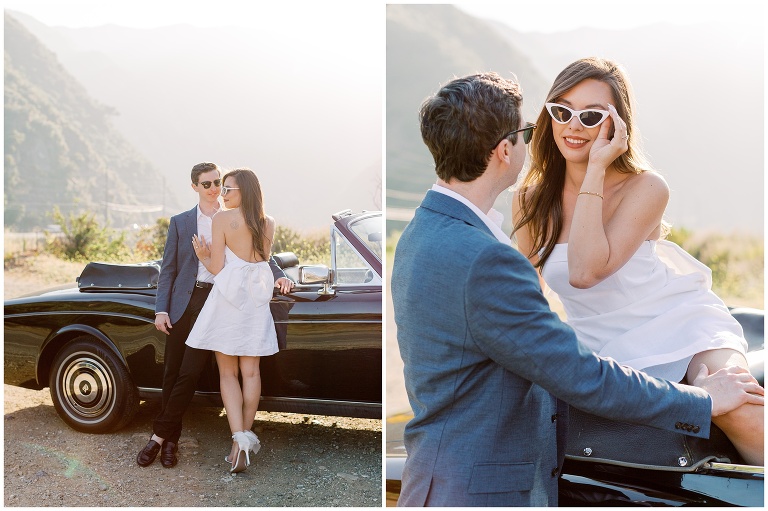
(305, 460)
(30, 273)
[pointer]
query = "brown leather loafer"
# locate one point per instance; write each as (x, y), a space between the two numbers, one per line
(148, 454)
(168, 455)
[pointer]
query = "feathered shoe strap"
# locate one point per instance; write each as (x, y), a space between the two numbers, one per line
(243, 440)
(255, 445)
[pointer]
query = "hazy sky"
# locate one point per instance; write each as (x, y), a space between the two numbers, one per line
(201, 13)
(349, 27)
(341, 46)
(561, 15)
(524, 15)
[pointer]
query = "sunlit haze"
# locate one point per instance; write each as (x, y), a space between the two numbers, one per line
(336, 24)
(294, 91)
(561, 15)
(154, 14)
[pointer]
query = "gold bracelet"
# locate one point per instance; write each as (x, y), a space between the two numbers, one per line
(590, 193)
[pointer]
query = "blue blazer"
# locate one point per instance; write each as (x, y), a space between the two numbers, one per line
(178, 271)
(489, 367)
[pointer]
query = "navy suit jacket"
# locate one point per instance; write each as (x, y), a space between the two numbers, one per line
(178, 271)
(489, 367)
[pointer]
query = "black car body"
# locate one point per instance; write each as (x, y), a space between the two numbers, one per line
(98, 350)
(611, 463)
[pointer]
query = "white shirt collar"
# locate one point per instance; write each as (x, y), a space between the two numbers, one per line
(200, 211)
(492, 220)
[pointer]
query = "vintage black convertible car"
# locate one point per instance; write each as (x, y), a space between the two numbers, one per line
(610, 463)
(97, 349)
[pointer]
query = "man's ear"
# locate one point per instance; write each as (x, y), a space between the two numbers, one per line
(504, 151)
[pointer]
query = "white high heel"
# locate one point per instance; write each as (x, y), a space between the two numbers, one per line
(255, 444)
(241, 462)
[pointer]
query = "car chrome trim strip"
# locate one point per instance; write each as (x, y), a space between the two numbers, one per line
(101, 313)
(733, 467)
(373, 288)
(324, 401)
(365, 404)
(606, 461)
(80, 313)
(325, 321)
(308, 405)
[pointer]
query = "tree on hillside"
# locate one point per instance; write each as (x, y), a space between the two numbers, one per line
(60, 146)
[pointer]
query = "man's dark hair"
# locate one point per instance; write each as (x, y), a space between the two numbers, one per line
(461, 122)
(202, 168)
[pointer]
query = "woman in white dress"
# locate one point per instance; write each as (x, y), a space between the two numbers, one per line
(588, 215)
(236, 322)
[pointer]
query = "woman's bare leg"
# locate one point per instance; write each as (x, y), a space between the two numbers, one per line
(744, 426)
(249, 368)
(231, 394)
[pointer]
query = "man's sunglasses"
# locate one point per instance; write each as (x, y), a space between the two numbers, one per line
(207, 184)
(225, 190)
(527, 134)
(588, 118)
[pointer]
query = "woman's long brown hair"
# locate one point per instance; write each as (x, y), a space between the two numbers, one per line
(541, 192)
(251, 207)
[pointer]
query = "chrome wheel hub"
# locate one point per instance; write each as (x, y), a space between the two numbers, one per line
(86, 387)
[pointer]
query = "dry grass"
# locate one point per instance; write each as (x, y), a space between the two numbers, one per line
(25, 274)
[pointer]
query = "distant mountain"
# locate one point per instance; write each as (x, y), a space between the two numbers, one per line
(428, 45)
(302, 110)
(61, 148)
(699, 91)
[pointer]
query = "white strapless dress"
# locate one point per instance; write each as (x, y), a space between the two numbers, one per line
(236, 319)
(653, 314)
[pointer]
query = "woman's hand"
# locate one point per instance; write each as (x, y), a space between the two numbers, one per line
(202, 248)
(284, 284)
(605, 151)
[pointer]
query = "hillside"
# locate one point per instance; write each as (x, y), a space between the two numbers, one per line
(428, 45)
(61, 148)
(298, 100)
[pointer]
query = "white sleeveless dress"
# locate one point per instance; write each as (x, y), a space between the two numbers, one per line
(653, 314)
(235, 319)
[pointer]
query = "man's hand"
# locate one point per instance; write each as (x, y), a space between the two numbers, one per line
(729, 388)
(163, 323)
(284, 284)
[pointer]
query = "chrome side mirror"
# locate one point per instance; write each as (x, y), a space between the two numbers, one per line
(316, 274)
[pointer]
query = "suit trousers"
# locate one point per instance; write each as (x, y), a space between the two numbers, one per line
(182, 368)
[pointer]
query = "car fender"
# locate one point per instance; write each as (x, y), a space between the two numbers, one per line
(58, 339)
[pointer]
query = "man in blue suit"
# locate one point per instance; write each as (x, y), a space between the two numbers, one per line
(489, 369)
(182, 289)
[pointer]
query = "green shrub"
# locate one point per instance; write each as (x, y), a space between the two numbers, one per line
(150, 241)
(314, 249)
(310, 249)
(83, 239)
(736, 262)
